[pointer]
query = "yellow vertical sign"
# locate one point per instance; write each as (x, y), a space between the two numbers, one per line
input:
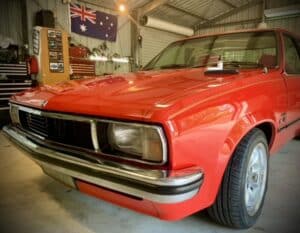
(53, 56)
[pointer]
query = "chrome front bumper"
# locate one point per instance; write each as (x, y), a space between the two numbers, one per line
(159, 186)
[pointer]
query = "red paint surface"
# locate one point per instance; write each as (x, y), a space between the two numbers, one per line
(142, 206)
(204, 117)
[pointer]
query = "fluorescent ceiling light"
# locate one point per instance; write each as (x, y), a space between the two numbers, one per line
(282, 11)
(120, 59)
(166, 26)
(98, 58)
(114, 59)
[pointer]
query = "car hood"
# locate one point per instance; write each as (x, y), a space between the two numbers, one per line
(141, 95)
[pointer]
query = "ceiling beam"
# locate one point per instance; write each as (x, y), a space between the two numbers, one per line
(229, 3)
(240, 22)
(186, 12)
(146, 9)
(227, 14)
(98, 4)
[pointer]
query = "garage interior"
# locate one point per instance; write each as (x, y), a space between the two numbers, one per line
(33, 202)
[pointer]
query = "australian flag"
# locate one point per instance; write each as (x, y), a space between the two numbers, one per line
(88, 22)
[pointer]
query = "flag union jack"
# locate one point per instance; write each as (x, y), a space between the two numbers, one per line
(83, 12)
(92, 23)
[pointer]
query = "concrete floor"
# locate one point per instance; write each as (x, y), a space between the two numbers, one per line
(32, 202)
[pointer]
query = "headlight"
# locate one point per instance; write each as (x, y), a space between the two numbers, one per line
(142, 142)
(14, 114)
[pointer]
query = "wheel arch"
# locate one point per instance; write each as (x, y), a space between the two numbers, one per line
(269, 130)
(234, 138)
(267, 126)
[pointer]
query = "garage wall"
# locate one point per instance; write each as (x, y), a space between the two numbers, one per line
(12, 26)
(232, 22)
(154, 41)
(280, 3)
(60, 10)
(288, 23)
(253, 15)
(61, 13)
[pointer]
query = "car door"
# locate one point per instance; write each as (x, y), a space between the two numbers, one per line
(292, 77)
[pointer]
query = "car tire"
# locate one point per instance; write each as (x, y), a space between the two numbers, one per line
(241, 195)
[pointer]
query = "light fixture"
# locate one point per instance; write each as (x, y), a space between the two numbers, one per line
(156, 23)
(282, 11)
(262, 25)
(122, 7)
(120, 59)
(98, 58)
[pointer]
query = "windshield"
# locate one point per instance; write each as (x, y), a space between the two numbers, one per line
(239, 50)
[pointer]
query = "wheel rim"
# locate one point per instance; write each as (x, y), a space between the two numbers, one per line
(256, 179)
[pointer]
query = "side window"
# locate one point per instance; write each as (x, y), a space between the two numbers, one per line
(292, 57)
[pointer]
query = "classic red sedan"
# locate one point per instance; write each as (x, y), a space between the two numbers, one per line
(193, 130)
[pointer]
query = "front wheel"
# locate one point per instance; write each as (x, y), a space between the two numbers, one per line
(241, 196)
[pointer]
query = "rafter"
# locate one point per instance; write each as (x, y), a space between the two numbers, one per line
(98, 4)
(247, 21)
(146, 9)
(229, 3)
(227, 14)
(186, 12)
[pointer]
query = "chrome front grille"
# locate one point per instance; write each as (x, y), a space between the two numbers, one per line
(73, 133)
(36, 124)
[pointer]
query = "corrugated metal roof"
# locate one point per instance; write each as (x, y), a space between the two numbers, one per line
(237, 3)
(216, 8)
(191, 12)
(253, 12)
(194, 6)
(137, 3)
(184, 12)
(112, 4)
(175, 16)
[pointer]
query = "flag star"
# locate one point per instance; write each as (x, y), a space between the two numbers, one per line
(108, 28)
(101, 23)
(106, 35)
(83, 28)
(112, 24)
(107, 18)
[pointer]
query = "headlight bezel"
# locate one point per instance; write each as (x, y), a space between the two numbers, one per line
(132, 157)
(148, 136)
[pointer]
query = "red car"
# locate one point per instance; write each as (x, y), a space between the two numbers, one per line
(193, 130)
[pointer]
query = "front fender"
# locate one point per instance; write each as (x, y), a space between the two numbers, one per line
(211, 144)
(237, 133)
(207, 134)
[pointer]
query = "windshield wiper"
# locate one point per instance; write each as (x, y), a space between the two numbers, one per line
(240, 63)
(147, 69)
(170, 66)
(198, 66)
(227, 71)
